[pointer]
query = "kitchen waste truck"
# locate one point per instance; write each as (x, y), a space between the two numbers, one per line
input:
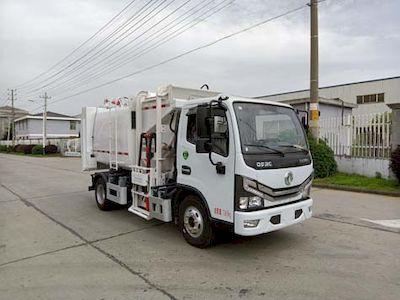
(200, 159)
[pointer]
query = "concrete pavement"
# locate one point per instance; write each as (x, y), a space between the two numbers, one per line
(56, 244)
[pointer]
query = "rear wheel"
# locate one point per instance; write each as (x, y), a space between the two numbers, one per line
(100, 195)
(195, 223)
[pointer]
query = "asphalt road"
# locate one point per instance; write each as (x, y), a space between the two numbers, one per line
(56, 244)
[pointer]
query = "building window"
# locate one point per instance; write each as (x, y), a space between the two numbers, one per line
(372, 98)
(72, 125)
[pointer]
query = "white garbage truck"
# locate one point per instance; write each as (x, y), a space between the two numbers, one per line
(200, 159)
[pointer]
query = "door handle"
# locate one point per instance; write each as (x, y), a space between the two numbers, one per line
(186, 170)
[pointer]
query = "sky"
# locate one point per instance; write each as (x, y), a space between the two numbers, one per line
(358, 40)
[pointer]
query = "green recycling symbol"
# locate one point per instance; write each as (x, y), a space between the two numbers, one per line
(185, 155)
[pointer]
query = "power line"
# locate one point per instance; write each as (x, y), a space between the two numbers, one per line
(97, 65)
(112, 45)
(122, 26)
(132, 18)
(148, 49)
(81, 45)
(185, 53)
(128, 54)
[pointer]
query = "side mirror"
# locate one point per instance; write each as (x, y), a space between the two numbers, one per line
(203, 122)
(210, 121)
(304, 122)
(303, 118)
(203, 145)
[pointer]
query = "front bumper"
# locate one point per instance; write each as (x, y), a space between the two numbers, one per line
(287, 217)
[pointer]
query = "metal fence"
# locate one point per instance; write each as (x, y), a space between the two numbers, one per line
(366, 136)
(70, 147)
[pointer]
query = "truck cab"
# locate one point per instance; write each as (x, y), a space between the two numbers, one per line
(249, 162)
(237, 163)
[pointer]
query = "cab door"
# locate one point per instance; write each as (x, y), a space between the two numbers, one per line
(196, 171)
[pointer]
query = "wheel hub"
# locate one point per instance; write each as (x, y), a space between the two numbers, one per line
(193, 221)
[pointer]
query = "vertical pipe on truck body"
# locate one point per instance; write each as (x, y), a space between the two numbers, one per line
(158, 139)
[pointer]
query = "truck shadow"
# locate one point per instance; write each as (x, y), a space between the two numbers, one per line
(283, 238)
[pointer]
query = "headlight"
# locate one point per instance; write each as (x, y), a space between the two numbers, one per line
(243, 202)
(255, 202)
(306, 190)
(250, 202)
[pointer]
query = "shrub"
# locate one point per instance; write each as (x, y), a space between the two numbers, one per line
(323, 157)
(11, 149)
(37, 149)
(27, 149)
(3, 148)
(49, 149)
(395, 162)
(19, 148)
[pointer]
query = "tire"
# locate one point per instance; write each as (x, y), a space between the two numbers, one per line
(100, 195)
(194, 223)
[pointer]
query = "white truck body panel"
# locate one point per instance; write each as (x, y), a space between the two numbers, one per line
(87, 122)
(113, 136)
(107, 134)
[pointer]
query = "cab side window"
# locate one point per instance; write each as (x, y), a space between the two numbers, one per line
(220, 140)
(191, 130)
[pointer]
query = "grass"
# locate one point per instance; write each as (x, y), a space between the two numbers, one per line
(360, 182)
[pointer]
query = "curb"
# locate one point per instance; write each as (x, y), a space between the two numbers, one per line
(355, 189)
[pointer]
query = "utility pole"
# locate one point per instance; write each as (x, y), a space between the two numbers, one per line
(13, 115)
(314, 85)
(45, 98)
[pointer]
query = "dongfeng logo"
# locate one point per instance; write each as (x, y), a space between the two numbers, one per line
(288, 178)
(264, 164)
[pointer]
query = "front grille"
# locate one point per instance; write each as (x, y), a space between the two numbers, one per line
(278, 192)
(287, 192)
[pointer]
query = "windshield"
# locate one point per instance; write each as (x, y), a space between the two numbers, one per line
(269, 128)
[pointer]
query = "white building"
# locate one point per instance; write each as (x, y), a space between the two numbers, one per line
(58, 126)
(372, 96)
(355, 121)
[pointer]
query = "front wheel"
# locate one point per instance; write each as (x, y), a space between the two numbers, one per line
(195, 223)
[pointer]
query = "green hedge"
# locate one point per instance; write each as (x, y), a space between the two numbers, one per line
(38, 149)
(5, 148)
(323, 157)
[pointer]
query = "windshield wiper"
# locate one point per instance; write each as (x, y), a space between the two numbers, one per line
(267, 147)
(296, 147)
